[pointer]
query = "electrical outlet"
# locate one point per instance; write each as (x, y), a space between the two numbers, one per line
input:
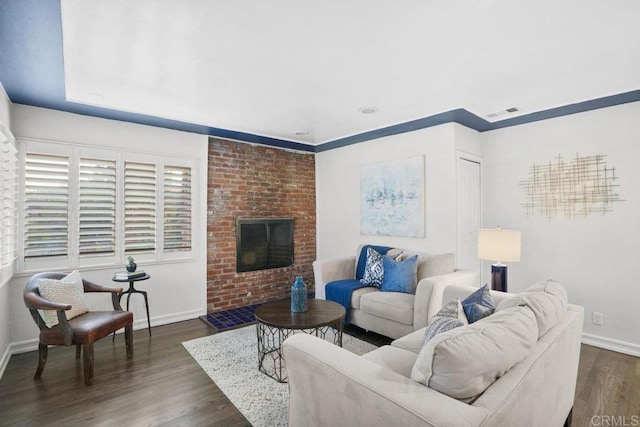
(597, 318)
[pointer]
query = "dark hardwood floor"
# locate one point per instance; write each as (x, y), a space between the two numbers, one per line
(608, 389)
(163, 385)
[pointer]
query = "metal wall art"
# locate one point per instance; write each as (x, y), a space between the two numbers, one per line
(392, 198)
(574, 188)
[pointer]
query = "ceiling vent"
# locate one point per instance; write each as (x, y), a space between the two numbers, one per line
(501, 113)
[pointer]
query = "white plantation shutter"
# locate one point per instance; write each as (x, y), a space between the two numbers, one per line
(8, 210)
(84, 207)
(97, 207)
(46, 206)
(177, 208)
(139, 207)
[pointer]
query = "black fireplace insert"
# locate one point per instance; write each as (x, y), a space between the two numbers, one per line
(264, 243)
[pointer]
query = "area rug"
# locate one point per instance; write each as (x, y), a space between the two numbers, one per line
(230, 359)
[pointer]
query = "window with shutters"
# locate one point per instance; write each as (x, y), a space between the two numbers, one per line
(97, 207)
(8, 209)
(139, 207)
(82, 207)
(46, 206)
(177, 208)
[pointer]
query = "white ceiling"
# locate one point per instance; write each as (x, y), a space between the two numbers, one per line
(276, 67)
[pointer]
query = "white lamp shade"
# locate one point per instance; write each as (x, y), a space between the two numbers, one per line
(499, 245)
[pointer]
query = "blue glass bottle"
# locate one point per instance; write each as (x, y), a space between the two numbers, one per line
(298, 296)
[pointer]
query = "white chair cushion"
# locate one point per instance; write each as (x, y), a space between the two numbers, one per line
(68, 290)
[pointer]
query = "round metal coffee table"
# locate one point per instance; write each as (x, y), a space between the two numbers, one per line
(276, 322)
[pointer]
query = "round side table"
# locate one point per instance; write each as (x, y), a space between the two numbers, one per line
(133, 290)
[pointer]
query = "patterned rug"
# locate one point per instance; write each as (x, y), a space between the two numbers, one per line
(230, 359)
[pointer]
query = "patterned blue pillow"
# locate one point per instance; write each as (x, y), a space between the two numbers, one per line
(478, 305)
(451, 316)
(362, 258)
(400, 276)
(374, 270)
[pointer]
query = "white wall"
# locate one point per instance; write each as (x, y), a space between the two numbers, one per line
(5, 122)
(467, 141)
(177, 291)
(338, 190)
(597, 258)
(5, 108)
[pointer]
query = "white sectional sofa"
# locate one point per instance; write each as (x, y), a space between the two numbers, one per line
(394, 314)
(410, 384)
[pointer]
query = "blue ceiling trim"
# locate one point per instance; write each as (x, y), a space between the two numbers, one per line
(472, 121)
(565, 110)
(459, 116)
(32, 73)
(258, 139)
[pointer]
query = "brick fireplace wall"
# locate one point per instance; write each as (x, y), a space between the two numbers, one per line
(247, 181)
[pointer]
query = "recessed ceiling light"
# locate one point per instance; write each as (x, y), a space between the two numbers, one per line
(301, 132)
(368, 110)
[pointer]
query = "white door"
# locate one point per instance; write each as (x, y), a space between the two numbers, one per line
(469, 214)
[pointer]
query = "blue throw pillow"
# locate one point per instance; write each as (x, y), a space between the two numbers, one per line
(362, 258)
(374, 270)
(451, 316)
(400, 276)
(478, 305)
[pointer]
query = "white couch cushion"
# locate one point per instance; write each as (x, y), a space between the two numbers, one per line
(463, 362)
(394, 358)
(437, 265)
(548, 301)
(412, 342)
(396, 306)
(429, 265)
(355, 295)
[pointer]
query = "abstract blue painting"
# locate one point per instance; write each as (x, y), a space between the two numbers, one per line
(392, 198)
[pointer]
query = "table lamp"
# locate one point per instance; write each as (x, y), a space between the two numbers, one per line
(499, 245)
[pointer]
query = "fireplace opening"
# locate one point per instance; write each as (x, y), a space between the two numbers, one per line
(264, 243)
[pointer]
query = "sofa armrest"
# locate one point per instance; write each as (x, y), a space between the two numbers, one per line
(328, 270)
(329, 385)
(429, 294)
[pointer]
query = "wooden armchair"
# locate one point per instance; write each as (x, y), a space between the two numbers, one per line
(82, 330)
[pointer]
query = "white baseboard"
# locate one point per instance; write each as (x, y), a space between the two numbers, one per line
(611, 344)
(5, 360)
(23, 346)
(169, 318)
